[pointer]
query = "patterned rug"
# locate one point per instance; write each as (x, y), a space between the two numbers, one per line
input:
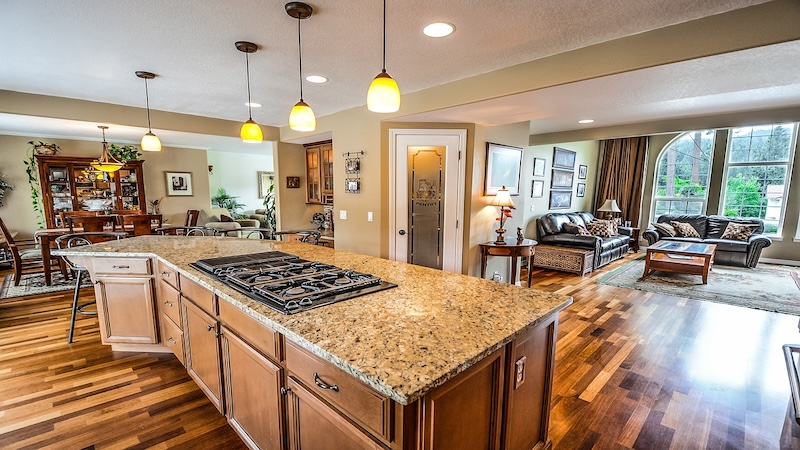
(768, 287)
(33, 284)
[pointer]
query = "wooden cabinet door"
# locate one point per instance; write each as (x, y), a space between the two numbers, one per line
(126, 310)
(254, 404)
(315, 425)
(202, 351)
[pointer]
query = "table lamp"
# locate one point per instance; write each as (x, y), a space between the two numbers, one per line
(609, 207)
(503, 200)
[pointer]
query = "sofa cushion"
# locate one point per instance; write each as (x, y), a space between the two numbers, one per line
(665, 229)
(718, 224)
(609, 243)
(224, 218)
(602, 228)
(685, 229)
(572, 228)
(728, 245)
(738, 231)
(698, 221)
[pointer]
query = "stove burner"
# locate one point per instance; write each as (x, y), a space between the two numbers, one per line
(294, 291)
(341, 281)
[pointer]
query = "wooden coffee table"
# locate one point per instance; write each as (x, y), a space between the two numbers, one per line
(692, 258)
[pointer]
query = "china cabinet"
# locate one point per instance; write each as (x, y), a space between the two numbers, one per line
(319, 173)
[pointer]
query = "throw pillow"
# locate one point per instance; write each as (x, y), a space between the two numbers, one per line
(573, 228)
(738, 231)
(665, 229)
(685, 229)
(602, 228)
(225, 218)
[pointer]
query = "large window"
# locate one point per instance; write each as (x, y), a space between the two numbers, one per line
(682, 174)
(757, 168)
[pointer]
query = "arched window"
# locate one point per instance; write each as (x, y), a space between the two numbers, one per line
(683, 172)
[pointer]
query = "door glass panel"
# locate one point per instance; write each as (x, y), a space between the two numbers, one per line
(58, 178)
(426, 179)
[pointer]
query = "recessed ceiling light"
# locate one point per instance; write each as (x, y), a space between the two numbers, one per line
(316, 79)
(586, 121)
(253, 105)
(438, 29)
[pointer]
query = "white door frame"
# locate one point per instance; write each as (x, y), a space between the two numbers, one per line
(453, 224)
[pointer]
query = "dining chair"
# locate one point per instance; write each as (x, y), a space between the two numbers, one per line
(142, 223)
(26, 257)
(66, 215)
(120, 213)
(93, 224)
(75, 240)
(187, 231)
(191, 217)
(256, 233)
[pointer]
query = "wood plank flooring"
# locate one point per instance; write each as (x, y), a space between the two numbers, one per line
(634, 370)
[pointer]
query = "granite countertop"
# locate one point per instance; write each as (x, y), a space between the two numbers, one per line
(403, 342)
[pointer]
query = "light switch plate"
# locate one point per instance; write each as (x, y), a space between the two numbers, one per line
(369, 216)
(343, 215)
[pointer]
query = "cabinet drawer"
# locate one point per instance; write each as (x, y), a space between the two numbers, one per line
(173, 337)
(122, 266)
(201, 296)
(354, 398)
(260, 336)
(170, 302)
(168, 275)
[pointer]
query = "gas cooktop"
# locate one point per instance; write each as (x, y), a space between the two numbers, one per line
(287, 283)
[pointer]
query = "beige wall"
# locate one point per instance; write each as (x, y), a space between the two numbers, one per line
(18, 212)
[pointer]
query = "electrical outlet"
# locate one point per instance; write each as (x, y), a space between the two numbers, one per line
(369, 216)
(343, 215)
(532, 208)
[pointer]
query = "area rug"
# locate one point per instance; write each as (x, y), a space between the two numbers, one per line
(768, 287)
(33, 284)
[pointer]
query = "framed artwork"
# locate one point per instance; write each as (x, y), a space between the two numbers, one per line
(582, 172)
(563, 158)
(537, 188)
(503, 165)
(562, 179)
(560, 199)
(265, 180)
(292, 182)
(581, 190)
(179, 184)
(538, 166)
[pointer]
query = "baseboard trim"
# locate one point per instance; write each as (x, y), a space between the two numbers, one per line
(785, 262)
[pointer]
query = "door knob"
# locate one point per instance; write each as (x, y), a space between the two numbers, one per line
(402, 232)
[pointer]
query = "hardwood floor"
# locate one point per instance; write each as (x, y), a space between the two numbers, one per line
(634, 370)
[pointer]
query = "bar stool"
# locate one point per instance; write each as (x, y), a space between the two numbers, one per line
(75, 240)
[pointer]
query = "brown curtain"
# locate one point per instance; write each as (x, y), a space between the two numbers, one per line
(621, 175)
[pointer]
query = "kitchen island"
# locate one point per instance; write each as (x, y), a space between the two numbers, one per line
(441, 361)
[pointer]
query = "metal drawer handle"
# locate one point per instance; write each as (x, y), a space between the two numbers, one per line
(172, 340)
(210, 327)
(168, 303)
(165, 274)
(120, 267)
(322, 384)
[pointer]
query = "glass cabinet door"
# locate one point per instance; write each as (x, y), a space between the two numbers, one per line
(93, 189)
(58, 178)
(129, 189)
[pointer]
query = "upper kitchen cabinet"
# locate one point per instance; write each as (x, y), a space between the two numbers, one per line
(68, 184)
(319, 173)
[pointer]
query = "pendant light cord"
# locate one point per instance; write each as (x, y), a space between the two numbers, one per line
(147, 99)
(384, 36)
(300, 51)
(249, 103)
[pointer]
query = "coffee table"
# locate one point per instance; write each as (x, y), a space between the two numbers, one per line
(691, 258)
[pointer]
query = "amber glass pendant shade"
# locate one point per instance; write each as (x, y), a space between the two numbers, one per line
(302, 117)
(151, 143)
(251, 132)
(383, 95)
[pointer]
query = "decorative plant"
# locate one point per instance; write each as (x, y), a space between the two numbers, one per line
(155, 205)
(223, 200)
(124, 153)
(269, 207)
(43, 148)
(4, 186)
(32, 170)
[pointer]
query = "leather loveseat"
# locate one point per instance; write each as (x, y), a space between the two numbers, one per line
(550, 228)
(710, 228)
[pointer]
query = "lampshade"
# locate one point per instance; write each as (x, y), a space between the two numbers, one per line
(302, 117)
(250, 132)
(150, 142)
(610, 206)
(106, 162)
(503, 198)
(383, 95)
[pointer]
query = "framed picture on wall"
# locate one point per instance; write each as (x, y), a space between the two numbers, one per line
(562, 179)
(581, 190)
(537, 188)
(563, 158)
(179, 184)
(292, 182)
(265, 180)
(503, 164)
(582, 172)
(539, 166)
(560, 199)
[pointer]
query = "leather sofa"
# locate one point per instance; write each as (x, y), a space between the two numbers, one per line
(211, 219)
(710, 228)
(550, 229)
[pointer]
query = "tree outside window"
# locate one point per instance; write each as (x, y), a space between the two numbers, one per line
(683, 173)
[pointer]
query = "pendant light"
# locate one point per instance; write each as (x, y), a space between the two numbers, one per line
(250, 131)
(302, 117)
(106, 162)
(383, 95)
(150, 142)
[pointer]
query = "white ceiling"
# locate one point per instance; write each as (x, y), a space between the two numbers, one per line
(91, 49)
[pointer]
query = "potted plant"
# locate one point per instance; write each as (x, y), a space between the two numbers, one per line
(31, 169)
(4, 186)
(223, 200)
(124, 153)
(269, 208)
(43, 148)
